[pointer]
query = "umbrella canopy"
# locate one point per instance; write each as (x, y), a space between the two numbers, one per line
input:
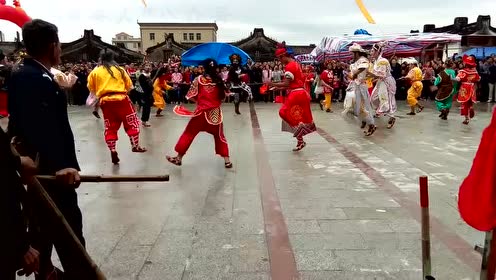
(362, 32)
(481, 52)
(220, 52)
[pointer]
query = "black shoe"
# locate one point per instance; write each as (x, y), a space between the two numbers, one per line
(115, 157)
(95, 113)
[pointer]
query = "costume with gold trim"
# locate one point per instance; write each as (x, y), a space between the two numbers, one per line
(468, 77)
(207, 116)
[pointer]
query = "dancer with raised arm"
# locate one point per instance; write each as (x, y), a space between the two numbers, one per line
(295, 112)
(383, 94)
(358, 73)
(208, 91)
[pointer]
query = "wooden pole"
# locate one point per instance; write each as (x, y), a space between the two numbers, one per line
(426, 236)
(79, 262)
(486, 251)
(105, 179)
(488, 266)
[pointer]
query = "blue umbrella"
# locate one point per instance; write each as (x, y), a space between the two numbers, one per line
(218, 51)
(362, 32)
(481, 52)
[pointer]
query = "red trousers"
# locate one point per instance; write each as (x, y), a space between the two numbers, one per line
(467, 108)
(116, 113)
(198, 124)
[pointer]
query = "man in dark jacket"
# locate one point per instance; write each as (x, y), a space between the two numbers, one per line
(38, 119)
(146, 85)
(16, 251)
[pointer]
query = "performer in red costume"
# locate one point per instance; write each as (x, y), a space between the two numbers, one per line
(208, 91)
(295, 112)
(327, 79)
(467, 94)
(309, 77)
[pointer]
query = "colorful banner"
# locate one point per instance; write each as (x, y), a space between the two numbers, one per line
(401, 45)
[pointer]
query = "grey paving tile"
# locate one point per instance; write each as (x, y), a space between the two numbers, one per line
(375, 213)
(377, 261)
(180, 223)
(125, 264)
(303, 226)
(249, 254)
(392, 241)
(316, 260)
(209, 263)
(327, 241)
(355, 226)
(344, 275)
(405, 225)
(314, 213)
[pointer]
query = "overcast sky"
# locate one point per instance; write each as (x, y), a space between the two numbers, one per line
(296, 22)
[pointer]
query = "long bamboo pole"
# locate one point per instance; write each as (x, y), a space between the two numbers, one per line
(119, 178)
(79, 263)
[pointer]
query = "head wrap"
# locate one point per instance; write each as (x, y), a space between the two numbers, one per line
(379, 47)
(281, 50)
(469, 61)
(235, 58)
(357, 48)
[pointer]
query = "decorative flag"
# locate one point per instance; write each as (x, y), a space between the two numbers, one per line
(364, 11)
(477, 194)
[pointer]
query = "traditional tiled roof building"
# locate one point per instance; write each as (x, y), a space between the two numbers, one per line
(257, 45)
(90, 46)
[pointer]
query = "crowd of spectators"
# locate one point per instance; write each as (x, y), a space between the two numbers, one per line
(258, 73)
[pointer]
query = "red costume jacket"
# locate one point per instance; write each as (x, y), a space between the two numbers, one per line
(208, 102)
(327, 76)
(468, 77)
(309, 78)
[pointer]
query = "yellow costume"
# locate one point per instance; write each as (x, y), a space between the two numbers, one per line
(415, 91)
(327, 76)
(108, 88)
(158, 96)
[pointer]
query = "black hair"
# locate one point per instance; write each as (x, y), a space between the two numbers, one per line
(210, 66)
(107, 59)
(159, 73)
(38, 35)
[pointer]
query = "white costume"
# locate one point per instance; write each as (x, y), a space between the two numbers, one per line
(383, 95)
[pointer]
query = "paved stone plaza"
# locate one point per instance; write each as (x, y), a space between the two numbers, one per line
(349, 204)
